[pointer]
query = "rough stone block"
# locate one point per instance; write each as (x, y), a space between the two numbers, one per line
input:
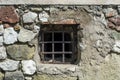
(28, 67)
(53, 77)
(29, 17)
(3, 54)
(8, 14)
(20, 51)
(26, 35)
(17, 75)
(9, 65)
(10, 36)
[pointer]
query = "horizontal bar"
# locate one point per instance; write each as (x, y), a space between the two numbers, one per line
(56, 31)
(56, 42)
(56, 52)
(47, 62)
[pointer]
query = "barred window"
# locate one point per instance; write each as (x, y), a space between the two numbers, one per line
(57, 43)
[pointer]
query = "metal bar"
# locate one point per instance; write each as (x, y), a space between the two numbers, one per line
(53, 57)
(56, 62)
(63, 57)
(73, 45)
(57, 31)
(57, 42)
(63, 48)
(57, 52)
(43, 46)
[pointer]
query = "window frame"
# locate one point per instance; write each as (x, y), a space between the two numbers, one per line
(63, 42)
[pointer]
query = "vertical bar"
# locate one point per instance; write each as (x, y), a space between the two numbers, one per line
(43, 41)
(43, 46)
(63, 57)
(73, 43)
(53, 57)
(63, 45)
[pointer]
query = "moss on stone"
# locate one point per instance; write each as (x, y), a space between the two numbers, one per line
(53, 77)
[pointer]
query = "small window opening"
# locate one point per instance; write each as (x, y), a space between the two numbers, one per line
(57, 43)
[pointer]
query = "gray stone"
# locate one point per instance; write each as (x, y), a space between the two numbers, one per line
(32, 27)
(53, 77)
(43, 17)
(28, 67)
(28, 78)
(116, 47)
(115, 35)
(36, 9)
(17, 75)
(1, 40)
(3, 54)
(53, 9)
(36, 29)
(1, 29)
(29, 27)
(20, 51)
(26, 35)
(10, 36)
(9, 65)
(110, 12)
(29, 17)
(47, 9)
(119, 9)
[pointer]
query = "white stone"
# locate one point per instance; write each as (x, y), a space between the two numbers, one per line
(36, 28)
(9, 65)
(1, 40)
(43, 17)
(10, 36)
(26, 35)
(29, 17)
(28, 78)
(116, 47)
(1, 29)
(28, 67)
(3, 54)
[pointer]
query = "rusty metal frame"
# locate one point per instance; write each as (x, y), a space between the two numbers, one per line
(63, 42)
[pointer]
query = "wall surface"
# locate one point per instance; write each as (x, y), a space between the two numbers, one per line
(98, 42)
(70, 2)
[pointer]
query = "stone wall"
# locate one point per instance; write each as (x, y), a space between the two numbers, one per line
(98, 42)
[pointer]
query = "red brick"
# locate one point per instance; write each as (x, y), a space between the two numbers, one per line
(111, 25)
(8, 14)
(115, 20)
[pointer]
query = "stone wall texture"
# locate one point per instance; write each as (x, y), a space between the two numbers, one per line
(98, 42)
